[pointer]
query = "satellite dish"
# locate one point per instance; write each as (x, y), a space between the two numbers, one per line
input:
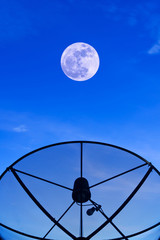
(80, 190)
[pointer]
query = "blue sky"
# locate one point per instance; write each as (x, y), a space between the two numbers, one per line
(39, 105)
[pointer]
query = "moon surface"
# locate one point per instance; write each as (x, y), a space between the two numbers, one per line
(80, 61)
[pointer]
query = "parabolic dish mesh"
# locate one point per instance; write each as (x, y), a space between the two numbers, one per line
(49, 173)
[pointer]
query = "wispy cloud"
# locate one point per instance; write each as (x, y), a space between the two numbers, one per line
(18, 139)
(155, 49)
(20, 129)
(37, 131)
(36, 126)
(127, 185)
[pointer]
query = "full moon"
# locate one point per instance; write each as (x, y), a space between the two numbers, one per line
(80, 61)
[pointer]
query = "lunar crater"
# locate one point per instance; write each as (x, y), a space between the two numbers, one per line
(80, 61)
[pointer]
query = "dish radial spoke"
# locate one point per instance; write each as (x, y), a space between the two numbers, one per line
(40, 206)
(42, 179)
(123, 204)
(59, 219)
(118, 175)
(102, 212)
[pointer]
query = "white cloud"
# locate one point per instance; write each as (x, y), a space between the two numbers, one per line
(20, 128)
(155, 49)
